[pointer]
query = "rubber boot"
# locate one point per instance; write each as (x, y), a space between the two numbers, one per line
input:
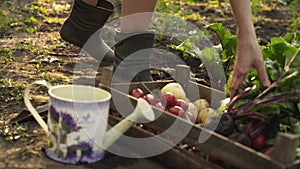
(84, 21)
(132, 57)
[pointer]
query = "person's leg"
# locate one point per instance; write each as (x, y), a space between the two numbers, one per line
(136, 15)
(134, 40)
(86, 18)
(91, 2)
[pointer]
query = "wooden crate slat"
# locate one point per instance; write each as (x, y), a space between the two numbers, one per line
(106, 75)
(175, 157)
(284, 148)
(126, 88)
(182, 75)
(196, 91)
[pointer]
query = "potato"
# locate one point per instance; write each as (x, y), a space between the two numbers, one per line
(205, 114)
(176, 89)
(201, 104)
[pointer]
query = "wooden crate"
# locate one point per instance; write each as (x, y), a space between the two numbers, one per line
(231, 152)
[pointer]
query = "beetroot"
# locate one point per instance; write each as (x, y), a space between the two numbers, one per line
(258, 142)
(241, 138)
(223, 124)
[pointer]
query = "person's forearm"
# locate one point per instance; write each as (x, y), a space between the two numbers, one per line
(243, 18)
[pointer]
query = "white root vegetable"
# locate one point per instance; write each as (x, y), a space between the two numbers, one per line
(205, 114)
(176, 89)
(193, 109)
(201, 104)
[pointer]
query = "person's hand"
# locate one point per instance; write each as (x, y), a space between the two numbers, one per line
(248, 56)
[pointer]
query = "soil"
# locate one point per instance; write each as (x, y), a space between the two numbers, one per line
(22, 145)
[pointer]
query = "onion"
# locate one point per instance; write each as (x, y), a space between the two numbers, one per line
(176, 89)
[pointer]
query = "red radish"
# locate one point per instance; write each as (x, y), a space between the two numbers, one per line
(258, 142)
(192, 150)
(143, 126)
(150, 99)
(182, 103)
(160, 106)
(156, 132)
(168, 99)
(213, 159)
(177, 110)
(137, 93)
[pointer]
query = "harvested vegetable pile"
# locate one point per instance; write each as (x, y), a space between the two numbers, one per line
(257, 113)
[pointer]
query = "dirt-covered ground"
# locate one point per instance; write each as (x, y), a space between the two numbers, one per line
(32, 49)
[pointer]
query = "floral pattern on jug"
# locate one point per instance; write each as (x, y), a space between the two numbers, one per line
(68, 140)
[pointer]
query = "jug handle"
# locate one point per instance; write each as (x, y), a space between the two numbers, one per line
(28, 104)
